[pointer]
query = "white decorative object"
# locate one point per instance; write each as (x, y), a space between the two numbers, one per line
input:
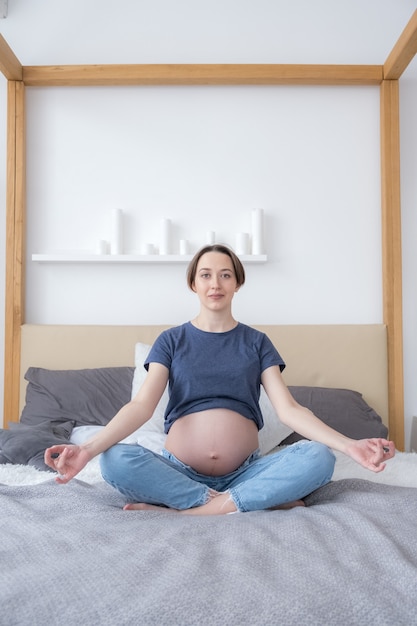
(183, 246)
(257, 231)
(148, 248)
(242, 243)
(165, 236)
(116, 242)
(210, 237)
(102, 246)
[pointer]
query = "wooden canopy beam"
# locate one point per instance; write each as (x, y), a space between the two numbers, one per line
(9, 64)
(201, 74)
(403, 52)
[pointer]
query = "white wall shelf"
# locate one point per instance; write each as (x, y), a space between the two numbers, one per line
(130, 258)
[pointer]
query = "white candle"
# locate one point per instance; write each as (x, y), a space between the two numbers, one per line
(102, 246)
(183, 246)
(257, 231)
(116, 242)
(242, 243)
(165, 236)
(210, 237)
(148, 248)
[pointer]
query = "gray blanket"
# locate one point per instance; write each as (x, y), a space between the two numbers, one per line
(70, 555)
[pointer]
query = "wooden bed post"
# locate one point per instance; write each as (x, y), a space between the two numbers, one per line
(391, 254)
(397, 61)
(15, 247)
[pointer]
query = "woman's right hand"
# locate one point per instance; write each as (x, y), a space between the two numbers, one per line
(67, 460)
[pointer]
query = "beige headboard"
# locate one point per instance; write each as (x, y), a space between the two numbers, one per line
(346, 356)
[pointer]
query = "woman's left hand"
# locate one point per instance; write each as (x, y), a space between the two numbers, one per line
(371, 453)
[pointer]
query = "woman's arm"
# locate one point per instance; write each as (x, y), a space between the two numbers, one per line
(133, 414)
(371, 453)
(68, 460)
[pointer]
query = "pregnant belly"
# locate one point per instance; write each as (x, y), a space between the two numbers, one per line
(213, 442)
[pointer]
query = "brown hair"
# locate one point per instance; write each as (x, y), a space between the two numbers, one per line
(216, 247)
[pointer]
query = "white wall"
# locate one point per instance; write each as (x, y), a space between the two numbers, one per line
(205, 156)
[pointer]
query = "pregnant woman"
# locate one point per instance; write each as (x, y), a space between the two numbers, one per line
(214, 366)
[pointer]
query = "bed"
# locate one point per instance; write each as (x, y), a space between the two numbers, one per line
(71, 552)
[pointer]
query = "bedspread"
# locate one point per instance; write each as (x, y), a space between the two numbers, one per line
(71, 554)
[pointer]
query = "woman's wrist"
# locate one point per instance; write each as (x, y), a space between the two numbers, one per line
(91, 449)
(345, 444)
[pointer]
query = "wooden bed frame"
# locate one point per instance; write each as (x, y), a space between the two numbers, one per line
(386, 75)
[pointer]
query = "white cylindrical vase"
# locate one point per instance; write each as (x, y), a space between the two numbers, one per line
(242, 243)
(102, 246)
(116, 241)
(183, 246)
(148, 248)
(257, 231)
(165, 236)
(210, 237)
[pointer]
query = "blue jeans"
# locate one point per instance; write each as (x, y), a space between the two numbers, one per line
(261, 482)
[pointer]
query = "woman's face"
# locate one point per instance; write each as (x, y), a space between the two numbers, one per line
(215, 281)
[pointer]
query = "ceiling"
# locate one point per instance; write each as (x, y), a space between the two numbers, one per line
(58, 32)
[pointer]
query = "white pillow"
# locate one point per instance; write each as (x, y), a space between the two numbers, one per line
(151, 435)
(274, 431)
(82, 433)
(156, 423)
(148, 439)
(270, 436)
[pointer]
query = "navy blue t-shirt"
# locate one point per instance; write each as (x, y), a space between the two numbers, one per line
(214, 370)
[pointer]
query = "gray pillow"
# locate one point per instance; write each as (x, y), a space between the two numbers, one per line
(25, 445)
(85, 396)
(343, 409)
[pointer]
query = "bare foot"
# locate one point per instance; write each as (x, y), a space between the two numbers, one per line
(219, 505)
(287, 505)
(142, 506)
(206, 509)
